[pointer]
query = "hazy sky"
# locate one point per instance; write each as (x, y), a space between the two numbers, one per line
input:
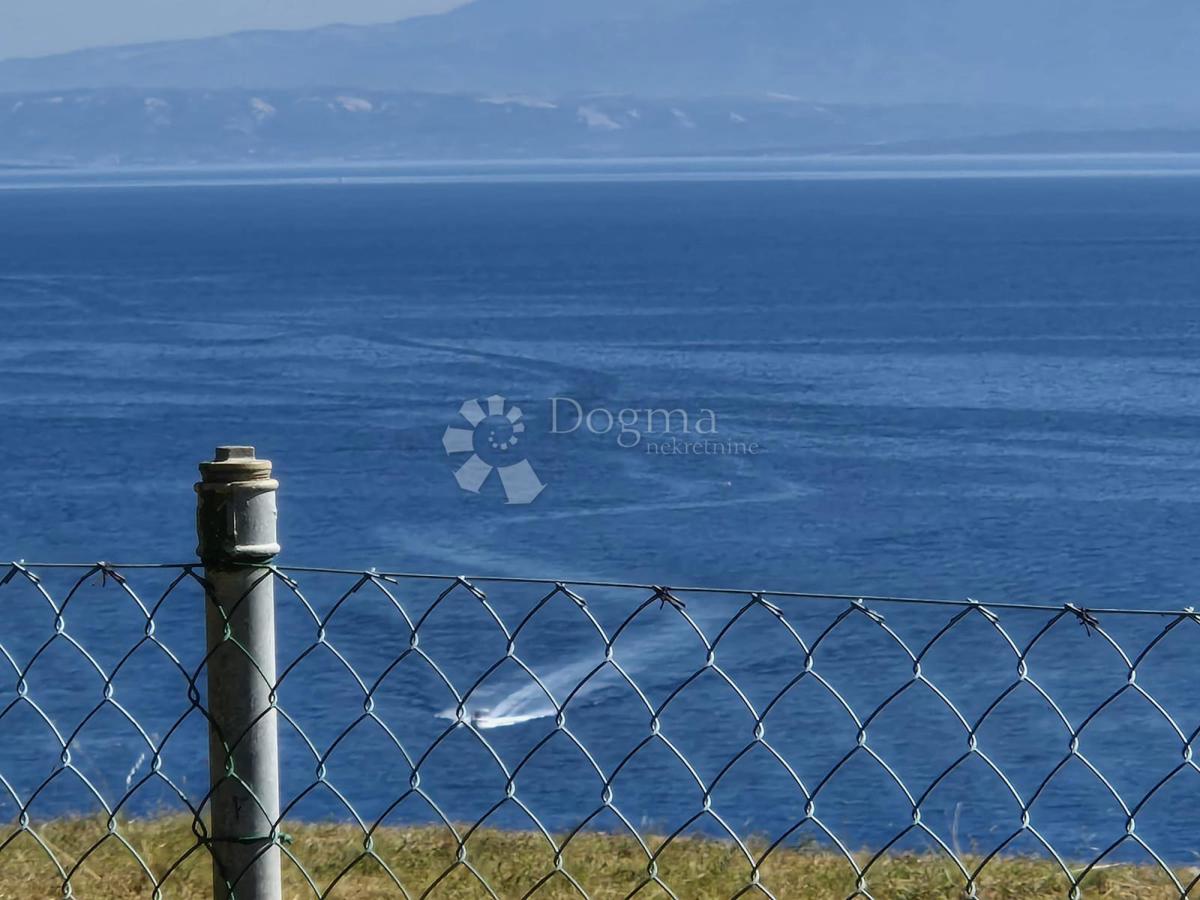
(38, 27)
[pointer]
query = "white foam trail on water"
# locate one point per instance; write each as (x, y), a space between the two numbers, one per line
(137, 766)
(486, 722)
(530, 702)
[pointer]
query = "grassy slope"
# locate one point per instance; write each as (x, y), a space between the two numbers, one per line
(605, 866)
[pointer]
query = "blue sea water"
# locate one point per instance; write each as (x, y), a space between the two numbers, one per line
(958, 386)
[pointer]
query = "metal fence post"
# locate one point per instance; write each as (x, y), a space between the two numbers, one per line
(235, 522)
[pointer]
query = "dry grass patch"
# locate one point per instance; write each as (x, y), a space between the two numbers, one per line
(606, 866)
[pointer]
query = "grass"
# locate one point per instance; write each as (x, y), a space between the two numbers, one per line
(606, 866)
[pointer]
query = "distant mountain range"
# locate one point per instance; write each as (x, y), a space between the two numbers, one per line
(124, 126)
(1032, 52)
(621, 77)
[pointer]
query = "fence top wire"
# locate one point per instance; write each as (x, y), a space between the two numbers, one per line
(1079, 610)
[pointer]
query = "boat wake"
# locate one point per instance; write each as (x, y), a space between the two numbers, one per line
(529, 702)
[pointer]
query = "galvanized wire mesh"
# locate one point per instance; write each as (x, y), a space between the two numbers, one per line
(459, 737)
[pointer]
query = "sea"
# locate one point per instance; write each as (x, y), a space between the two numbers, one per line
(940, 378)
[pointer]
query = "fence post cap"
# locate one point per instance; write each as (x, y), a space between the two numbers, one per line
(234, 463)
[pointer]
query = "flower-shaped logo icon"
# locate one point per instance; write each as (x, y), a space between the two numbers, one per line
(494, 441)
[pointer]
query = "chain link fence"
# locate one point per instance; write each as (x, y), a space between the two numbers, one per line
(412, 735)
(469, 737)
